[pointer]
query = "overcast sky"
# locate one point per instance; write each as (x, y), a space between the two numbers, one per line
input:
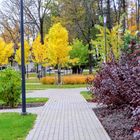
(0, 3)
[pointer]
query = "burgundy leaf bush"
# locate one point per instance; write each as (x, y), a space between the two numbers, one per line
(117, 84)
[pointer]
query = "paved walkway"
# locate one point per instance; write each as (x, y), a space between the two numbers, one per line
(66, 116)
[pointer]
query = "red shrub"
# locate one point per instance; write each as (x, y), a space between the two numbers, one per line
(117, 84)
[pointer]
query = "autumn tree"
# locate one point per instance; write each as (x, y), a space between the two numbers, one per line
(80, 19)
(113, 44)
(58, 48)
(35, 12)
(10, 21)
(133, 19)
(6, 51)
(10, 34)
(27, 49)
(40, 52)
(79, 52)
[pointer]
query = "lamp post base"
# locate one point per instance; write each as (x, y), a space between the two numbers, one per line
(24, 113)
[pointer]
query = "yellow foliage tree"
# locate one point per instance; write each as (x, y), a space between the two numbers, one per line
(113, 42)
(132, 24)
(6, 51)
(133, 29)
(58, 48)
(27, 53)
(39, 51)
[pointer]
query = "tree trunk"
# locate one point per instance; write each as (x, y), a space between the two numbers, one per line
(37, 69)
(27, 73)
(90, 59)
(74, 69)
(109, 15)
(44, 71)
(138, 14)
(41, 32)
(124, 19)
(59, 75)
(101, 7)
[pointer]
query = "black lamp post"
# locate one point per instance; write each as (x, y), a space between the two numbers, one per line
(138, 19)
(22, 58)
(138, 14)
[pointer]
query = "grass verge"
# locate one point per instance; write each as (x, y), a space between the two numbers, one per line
(32, 80)
(31, 100)
(43, 87)
(36, 100)
(87, 95)
(13, 126)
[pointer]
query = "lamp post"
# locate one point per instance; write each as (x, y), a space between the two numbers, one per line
(138, 19)
(22, 58)
(138, 13)
(105, 43)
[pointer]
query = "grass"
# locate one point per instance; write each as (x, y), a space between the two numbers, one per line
(36, 100)
(43, 87)
(34, 80)
(87, 95)
(1, 102)
(32, 100)
(32, 74)
(13, 126)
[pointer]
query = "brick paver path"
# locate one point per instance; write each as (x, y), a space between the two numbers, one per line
(66, 116)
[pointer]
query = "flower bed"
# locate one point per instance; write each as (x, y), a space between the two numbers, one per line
(117, 122)
(70, 79)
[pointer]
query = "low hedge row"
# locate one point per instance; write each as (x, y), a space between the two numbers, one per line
(70, 79)
(10, 87)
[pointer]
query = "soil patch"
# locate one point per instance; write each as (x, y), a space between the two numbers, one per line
(117, 122)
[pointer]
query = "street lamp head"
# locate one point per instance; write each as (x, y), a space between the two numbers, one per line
(105, 14)
(105, 19)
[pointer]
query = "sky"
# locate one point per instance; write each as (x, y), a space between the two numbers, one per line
(1, 3)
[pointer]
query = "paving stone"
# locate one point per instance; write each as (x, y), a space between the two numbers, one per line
(66, 116)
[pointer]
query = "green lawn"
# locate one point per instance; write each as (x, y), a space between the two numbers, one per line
(87, 95)
(32, 100)
(33, 80)
(1, 102)
(32, 74)
(43, 87)
(13, 126)
(36, 100)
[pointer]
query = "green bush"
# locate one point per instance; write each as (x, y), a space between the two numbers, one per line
(10, 87)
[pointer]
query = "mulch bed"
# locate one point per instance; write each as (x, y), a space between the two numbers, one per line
(117, 122)
(28, 105)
